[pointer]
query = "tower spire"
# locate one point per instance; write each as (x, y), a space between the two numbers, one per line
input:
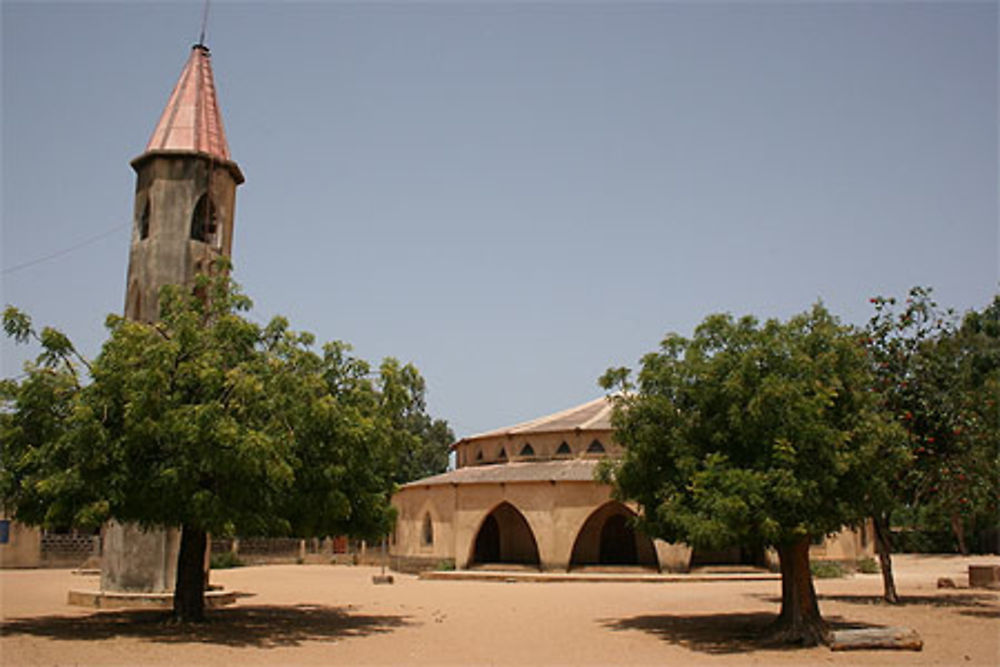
(204, 24)
(191, 120)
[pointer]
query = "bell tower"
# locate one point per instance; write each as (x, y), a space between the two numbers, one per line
(185, 192)
(185, 198)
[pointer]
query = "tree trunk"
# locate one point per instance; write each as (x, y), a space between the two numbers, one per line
(799, 621)
(884, 549)
(189, 590)
(958, 527)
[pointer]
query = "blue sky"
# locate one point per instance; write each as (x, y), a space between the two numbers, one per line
(516, 196)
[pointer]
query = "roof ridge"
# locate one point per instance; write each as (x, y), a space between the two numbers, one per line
(526, 426)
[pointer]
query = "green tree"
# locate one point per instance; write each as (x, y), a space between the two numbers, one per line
(895, 339)
(753, 434)
(939, 381)
(421, 443)
(203, 420)
(978, 433)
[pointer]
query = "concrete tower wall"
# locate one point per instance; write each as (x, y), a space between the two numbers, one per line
(163, 252)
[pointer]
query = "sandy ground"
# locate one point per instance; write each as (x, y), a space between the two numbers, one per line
(310, 614)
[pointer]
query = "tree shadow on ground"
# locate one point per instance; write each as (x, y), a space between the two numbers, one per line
(972, 600)
(989, 601)
(717, 634)
(263, 626)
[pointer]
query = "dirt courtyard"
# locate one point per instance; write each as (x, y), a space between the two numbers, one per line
(312, 614)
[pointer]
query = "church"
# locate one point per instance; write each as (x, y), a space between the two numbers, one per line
(526, 496)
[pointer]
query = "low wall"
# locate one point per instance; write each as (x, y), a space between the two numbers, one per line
(29, 547)
(418, 564)
(23, 547)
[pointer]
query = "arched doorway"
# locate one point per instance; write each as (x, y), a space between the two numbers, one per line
(618, 542)
(505, 537)
(608, 538)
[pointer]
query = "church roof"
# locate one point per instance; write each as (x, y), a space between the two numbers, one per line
(573, 470)
(592, 416)
(191, 121)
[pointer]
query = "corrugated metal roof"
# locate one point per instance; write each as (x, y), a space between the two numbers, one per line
(594, 415)
(191, 121)
(574, 470)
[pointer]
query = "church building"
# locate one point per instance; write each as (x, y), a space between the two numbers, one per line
(526, 496)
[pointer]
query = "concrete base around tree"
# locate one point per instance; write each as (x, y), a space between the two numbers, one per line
(120, 600)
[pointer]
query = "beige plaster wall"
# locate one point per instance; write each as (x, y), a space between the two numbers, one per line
(847, 545)
(412, 505)
(23, 548)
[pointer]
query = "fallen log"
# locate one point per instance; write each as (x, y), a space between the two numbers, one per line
(901, 639)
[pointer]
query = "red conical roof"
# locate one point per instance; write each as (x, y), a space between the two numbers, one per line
(191, 120)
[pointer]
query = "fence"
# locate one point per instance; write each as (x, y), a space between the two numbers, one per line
(261, 550)
(75, 549)
(68, 549)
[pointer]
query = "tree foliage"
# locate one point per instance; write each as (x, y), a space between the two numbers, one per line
(751, 433)
(208, 421)
(940, 380)
(422, 443)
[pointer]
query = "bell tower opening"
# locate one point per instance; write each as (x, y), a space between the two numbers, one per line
(144, 222)
(204, 221)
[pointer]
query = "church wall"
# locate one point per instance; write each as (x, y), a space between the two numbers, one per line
(556, 514)
(412, 506)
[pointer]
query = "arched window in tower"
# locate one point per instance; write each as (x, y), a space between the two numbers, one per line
(144, 222)
(502, 456)
(204, 221)
(427, 531)
(564, 449)
(527, 450)
(595, 447)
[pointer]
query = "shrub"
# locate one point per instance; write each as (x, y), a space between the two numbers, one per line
(868, 565)
(225, 560)
(826, 569)
(445, 565)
